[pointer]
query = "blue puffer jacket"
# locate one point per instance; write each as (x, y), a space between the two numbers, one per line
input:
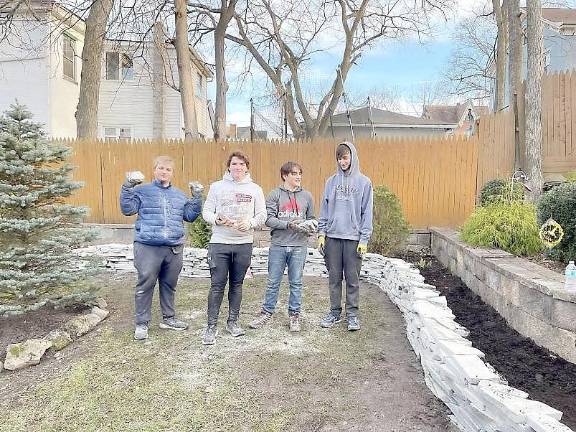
(161, 211)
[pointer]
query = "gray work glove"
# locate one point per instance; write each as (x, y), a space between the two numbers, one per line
(196, 188)
(310, 225)
(295, 226)
(133, 178)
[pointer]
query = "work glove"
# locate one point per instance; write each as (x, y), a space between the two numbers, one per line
(296, 226)
(196, 188)
(321, 244)
(310, 225)
(133, 178)
(361, 250)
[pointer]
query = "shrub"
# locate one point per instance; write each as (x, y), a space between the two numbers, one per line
(508, 226)
(199, 232)
(390, 227)
(560, 204)
(570, 176)
(501, 190)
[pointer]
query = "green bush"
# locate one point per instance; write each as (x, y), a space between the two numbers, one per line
(560, 204)
(508, 226)
(390, 227)
(570, 176)
(501, 190)
(199, 233)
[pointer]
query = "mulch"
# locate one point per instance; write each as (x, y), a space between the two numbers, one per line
(525, 365)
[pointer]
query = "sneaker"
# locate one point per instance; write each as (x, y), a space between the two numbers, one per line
(295, 323)
(141, 332)
(234, 329)
(173, 324)
(260, 320)
(353, 323)
(330, 320)
(210, 334)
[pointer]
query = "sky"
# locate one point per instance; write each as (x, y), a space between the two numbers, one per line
(395, 64)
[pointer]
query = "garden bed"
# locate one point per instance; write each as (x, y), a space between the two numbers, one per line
(526, 366)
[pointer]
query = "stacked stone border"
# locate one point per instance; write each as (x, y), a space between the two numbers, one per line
(532, 299)
(478, 397)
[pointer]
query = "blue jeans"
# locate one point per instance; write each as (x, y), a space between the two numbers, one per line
(278, 258)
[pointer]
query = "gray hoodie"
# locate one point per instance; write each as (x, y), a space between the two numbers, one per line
(285, 206)
(240, 201)
(346, 207)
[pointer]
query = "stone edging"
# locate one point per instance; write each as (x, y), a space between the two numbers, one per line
(30, 352)
(531, 298)
(454, 371)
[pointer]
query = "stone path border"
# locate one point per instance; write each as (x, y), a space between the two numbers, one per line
(478, 397)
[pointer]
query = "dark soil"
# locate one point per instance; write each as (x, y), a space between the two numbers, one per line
(526, 366)
(36, 324)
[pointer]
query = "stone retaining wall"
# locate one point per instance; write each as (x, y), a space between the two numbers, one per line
(531, 298)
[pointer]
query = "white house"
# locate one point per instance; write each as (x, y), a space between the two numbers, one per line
(40, 66)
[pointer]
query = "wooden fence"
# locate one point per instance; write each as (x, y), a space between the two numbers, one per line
(436, 179)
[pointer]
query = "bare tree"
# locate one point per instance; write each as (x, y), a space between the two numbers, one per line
(501, 18)
(515, 61)
(534, 98)
(87, 110)
(282, 37)
(184, 61)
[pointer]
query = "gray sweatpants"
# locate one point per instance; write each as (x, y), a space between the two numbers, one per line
(156, 263)
(341, 258)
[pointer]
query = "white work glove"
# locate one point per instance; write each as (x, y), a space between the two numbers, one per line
(196, 188)
(133, 178)
(310, 225)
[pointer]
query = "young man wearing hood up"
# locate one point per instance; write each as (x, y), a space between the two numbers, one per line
(345, 226)
(291, 217)
(234, 206)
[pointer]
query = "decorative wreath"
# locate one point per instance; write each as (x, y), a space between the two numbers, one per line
(551, 233)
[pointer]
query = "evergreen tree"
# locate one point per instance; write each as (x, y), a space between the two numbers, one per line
(38, 231)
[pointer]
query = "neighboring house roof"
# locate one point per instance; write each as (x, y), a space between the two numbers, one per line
(243, 132)
(452, 113)
(559, 16)
(384, 118)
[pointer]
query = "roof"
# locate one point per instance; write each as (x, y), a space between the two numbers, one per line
(559, 15)
(451, 113)
(384, 117)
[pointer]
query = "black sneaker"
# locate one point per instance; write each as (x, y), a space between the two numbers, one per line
(210, 334)
(353, 323)
(330, 320)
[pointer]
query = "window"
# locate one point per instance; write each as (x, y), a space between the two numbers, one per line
(68, 55)
(119, 66)
(199, 85)
(117, 132)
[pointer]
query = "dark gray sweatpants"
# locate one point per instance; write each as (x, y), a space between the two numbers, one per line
(341, 258)
(156, 263)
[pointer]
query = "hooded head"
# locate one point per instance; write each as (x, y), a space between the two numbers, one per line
(347, 162)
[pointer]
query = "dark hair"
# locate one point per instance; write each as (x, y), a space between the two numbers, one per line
(342, 149)
(288, 167)
(238, 154)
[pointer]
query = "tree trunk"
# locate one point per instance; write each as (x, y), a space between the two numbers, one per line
(185, 73)
(534, 99)
(501, 42)
(87, 109)
(515, 72)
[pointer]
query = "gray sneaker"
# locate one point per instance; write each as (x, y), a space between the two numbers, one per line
(295, 323)
(330, 320)
(353, 323)
(173, 324)
(141, 332)
(234, 329)
(210, 334)
(260, 320)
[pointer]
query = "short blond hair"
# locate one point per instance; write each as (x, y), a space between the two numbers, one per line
(163, 160)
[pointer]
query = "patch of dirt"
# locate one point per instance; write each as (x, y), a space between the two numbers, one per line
(36, 324)
(550, 264)
(526, 366)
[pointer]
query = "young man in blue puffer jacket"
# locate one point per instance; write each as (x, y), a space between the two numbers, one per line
(159, 239)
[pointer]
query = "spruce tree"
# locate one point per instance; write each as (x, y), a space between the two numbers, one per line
(38, 230)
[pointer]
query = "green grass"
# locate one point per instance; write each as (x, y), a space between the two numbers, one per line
(269, 380)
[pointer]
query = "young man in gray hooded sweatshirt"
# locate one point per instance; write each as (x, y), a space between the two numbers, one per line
(291, 216)
(345, 227)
